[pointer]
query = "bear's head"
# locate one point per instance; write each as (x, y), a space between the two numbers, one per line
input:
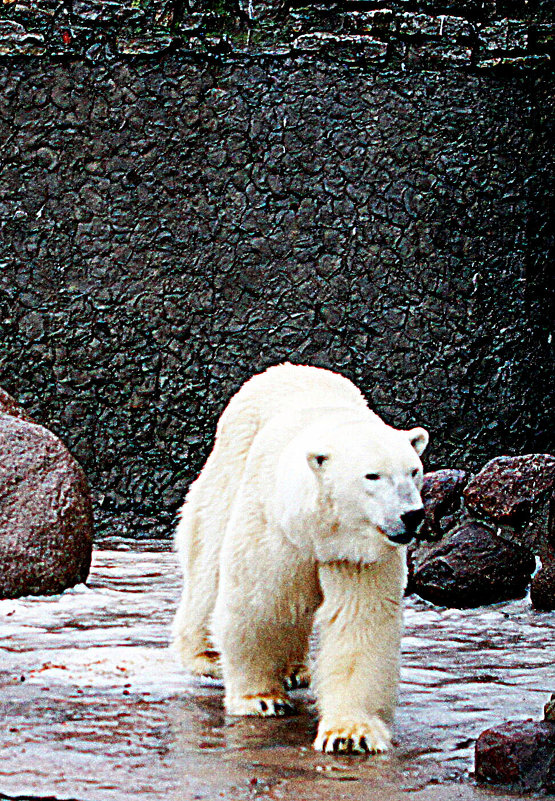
(351, 489)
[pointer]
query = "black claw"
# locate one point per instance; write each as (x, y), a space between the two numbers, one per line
(291, 682)
(295, 682)
(263, 706)
(338, 743)
(324, 744)
(363, 744)
(284, 708)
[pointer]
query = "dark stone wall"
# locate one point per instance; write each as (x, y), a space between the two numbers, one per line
(174, 221)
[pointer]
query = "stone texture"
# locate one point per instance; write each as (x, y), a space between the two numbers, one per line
(16, 41)
(9, 405)
(508, 488)
(519, 753)
(88, 27)
(347, 45)
(442, 495)
(514, 497)
(542, 588)
(423, 25)
(208, 202)
(45, 512)
(549, 709)
(432, 56)
(472, 567)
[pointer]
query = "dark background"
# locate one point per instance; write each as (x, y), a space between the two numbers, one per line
(189, 195)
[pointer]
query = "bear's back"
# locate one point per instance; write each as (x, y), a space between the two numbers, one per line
(286, 388)
(283, 390)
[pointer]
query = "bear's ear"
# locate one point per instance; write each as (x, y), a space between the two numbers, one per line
(316, 461)
(418, 439)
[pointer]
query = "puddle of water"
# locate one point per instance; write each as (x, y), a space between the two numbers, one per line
(96, 709)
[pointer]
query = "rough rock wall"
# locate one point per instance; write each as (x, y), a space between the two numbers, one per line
(192, 192)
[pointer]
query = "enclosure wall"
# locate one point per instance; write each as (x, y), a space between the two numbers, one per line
(178, 217)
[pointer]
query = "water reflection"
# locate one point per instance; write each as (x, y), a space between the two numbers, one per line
(103, 697)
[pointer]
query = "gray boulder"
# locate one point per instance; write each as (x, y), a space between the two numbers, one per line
(46, 524)
(520, 754)
(470, 567)
(517, 494)
(442, 496)
(542, 588)
(492, 526)
(512, 490)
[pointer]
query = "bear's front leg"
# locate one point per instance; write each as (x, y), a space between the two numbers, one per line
(357, 669)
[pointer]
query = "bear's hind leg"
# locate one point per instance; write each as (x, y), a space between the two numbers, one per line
(191, 626)
(193, 644)
(297, 673)
(253, 665)
(297, 676)
(263, 705)
(254, 684)
(207, 663)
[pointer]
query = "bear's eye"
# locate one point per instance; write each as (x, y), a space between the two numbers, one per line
(414, 472)
(372, 476)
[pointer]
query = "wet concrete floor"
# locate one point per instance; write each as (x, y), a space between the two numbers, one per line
(95, 708)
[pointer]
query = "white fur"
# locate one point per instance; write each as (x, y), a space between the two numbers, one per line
(288, 526)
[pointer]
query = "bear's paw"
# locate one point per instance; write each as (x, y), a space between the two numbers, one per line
(351, 737)
(263, 706)
(206, 663)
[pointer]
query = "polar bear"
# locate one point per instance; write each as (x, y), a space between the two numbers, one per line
(298, 519)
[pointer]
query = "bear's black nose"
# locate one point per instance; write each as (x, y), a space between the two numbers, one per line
(412, 519)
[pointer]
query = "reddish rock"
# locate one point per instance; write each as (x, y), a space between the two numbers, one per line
(542, 589)
(441, 495)
(508, 488)
(46, 522)
(520, 753)
(10, 406)
(470, 567)
(549, 709)
(442, 498)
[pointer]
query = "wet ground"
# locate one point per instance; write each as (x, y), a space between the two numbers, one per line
(94, 707)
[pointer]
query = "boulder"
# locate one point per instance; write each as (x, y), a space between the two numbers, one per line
(442, 495)
(518, 753)
(46, 525)
(549, 709)
(471, 566)
(542, 588)
(442, 499)
(509, 488)
(10, 406)
(516, 493)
